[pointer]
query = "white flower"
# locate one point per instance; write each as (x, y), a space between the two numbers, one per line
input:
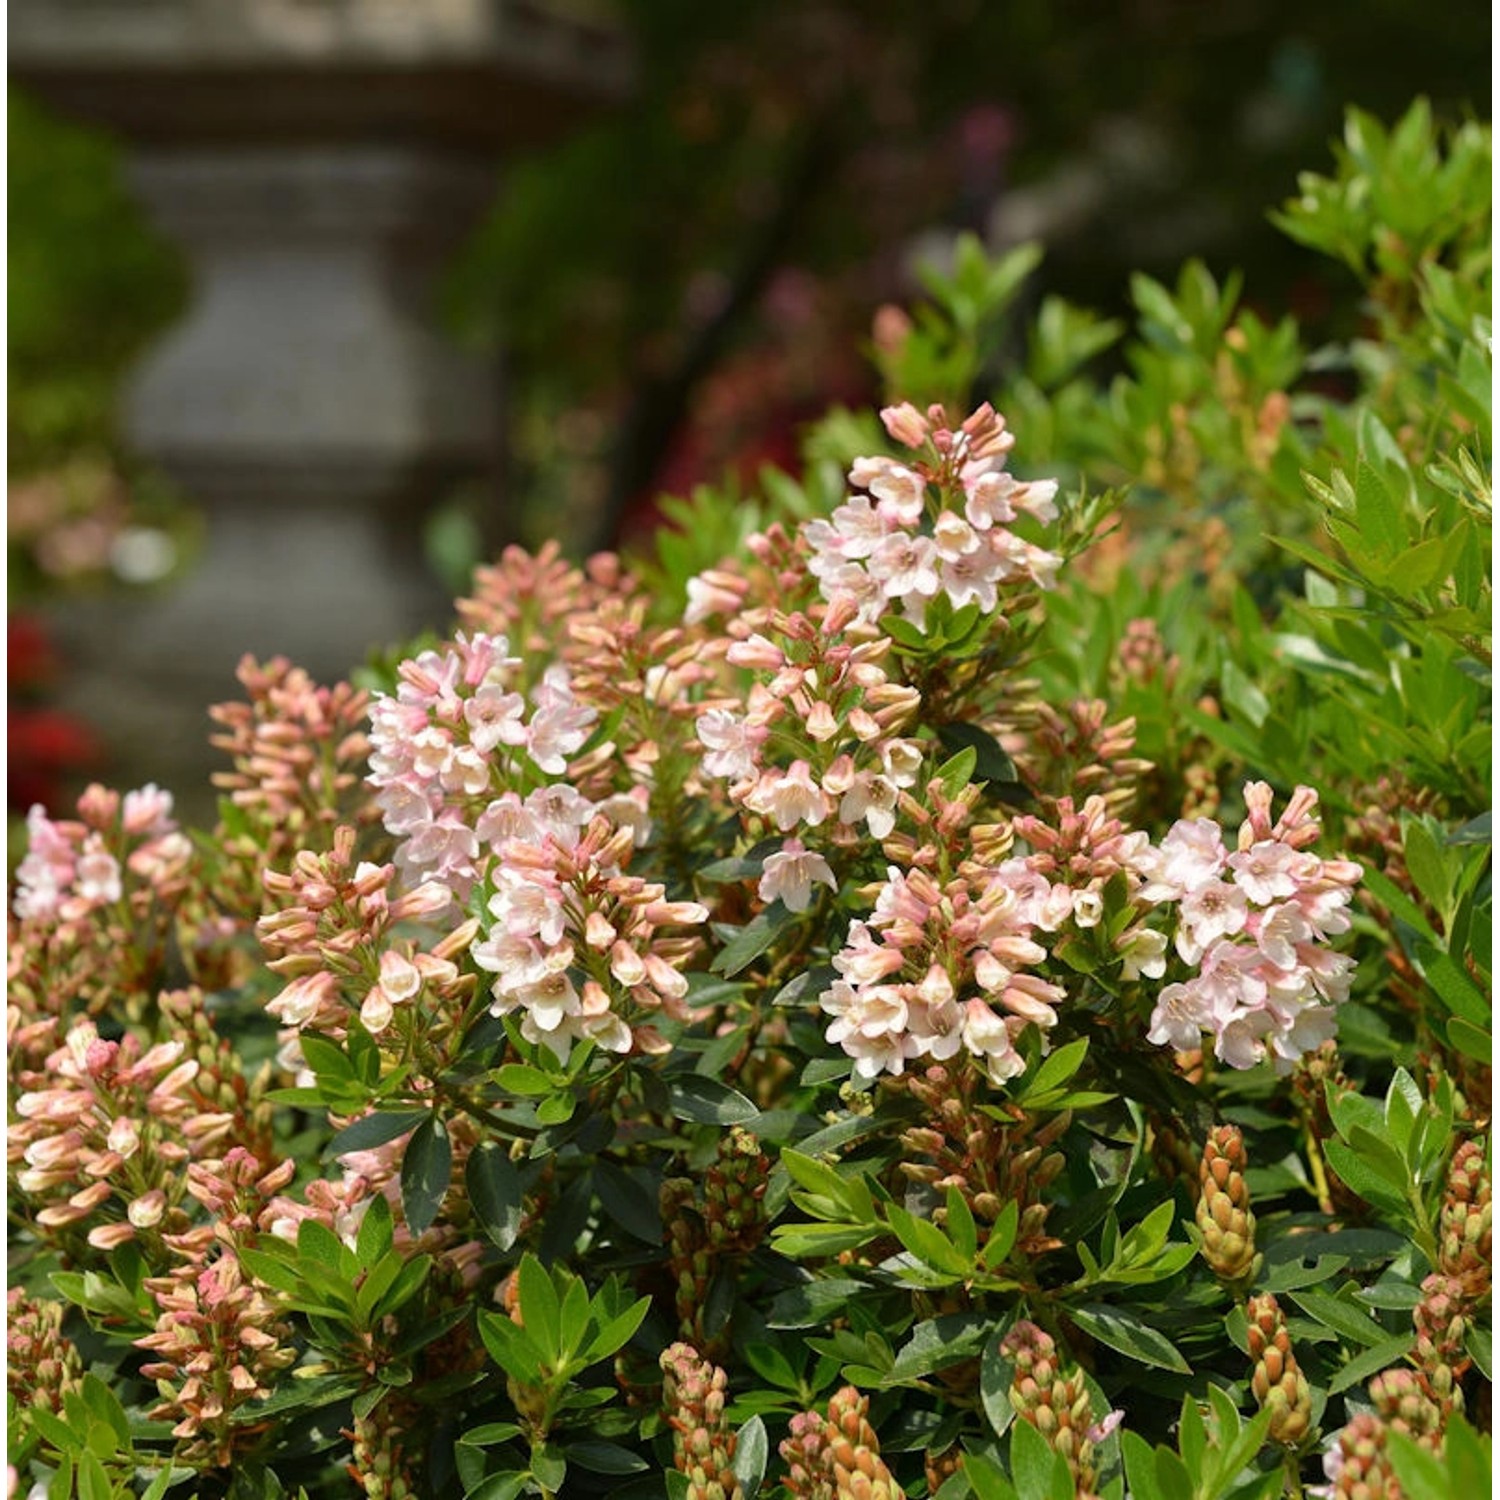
(730, 743)
(789, 798)
(1144, 952)
(901, 493)
(905, 565)
(1208, 912)
(791, 873)
(1269, 871)
(98, 875)
(494, 718)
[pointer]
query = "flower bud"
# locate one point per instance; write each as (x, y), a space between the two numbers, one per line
(1225, 1223)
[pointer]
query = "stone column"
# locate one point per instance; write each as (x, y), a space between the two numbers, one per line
(315, 159)
(307, 402)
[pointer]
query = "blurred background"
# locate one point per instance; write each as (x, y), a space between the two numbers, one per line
(314, 303)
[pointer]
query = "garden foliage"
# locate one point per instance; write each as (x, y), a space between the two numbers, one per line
(935, 982)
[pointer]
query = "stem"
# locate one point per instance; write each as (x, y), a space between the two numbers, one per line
(1293, 1475)
(1318, 1170)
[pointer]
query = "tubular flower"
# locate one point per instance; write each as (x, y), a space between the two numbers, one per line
(104, 1145)
(939, 970)
(938, 524)
(1442, 1319)
(42, 1364)
(1356, 1466)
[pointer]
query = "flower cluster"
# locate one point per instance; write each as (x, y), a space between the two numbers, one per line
(833, 717)
(217, 1344)
(574, 940)
(105, 1140)
(333, 941)
(897, 545)
(95, 898)
(1254, 923)
(938, 969)
(458, 734)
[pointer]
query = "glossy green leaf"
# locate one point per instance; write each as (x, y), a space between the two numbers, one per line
(425, 1171)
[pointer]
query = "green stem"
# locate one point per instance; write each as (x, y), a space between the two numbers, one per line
(1318, 1170)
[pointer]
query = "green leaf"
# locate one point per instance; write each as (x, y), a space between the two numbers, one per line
(928, 1243)
(1172, 1477)
(1129, 1334)
(961, 1227)
(1480, 1346)
(1031, 1462)
(995, 1378)
(1467, 1457)
(327, 1059)
(599, 1456)
(425, 1170)
(956, 773)
(1140, 1467)
(618, 1331)
(1451, 985)
(991, 763)
(1343, 1317)
(374, 1130)
(1420, 1475)
(1370, 1184)
(1425, 862)
(751, 1451)
(556, 1109)
(1242, 695)
(751, 941)
(1369, 1364)
(525, 1080)
(93, 1481)
(987, 1479)
(633, 1204)
(812, 1303)
(706, 1101)
(494, 1188)
(375, 1231)
(490, 1433)
(541, 1310)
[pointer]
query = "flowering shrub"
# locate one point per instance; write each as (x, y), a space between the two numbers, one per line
(723, 1025)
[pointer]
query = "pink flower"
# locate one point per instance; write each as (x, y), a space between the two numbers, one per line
(905, 565)
(494, 718)
(1208, 912)
(732, 746)
(901, 493)
(789, 798)
(1268, 871)
(560, 724)
(98, 874)
(791, 873)
(988, 1037)
(147, 813)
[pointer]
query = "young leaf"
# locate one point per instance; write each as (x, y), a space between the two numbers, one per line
(541, 1309)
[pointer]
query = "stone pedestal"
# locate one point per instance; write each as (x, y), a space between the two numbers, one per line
(315, 161)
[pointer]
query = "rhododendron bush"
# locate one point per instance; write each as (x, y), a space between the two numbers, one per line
(788, 1015)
